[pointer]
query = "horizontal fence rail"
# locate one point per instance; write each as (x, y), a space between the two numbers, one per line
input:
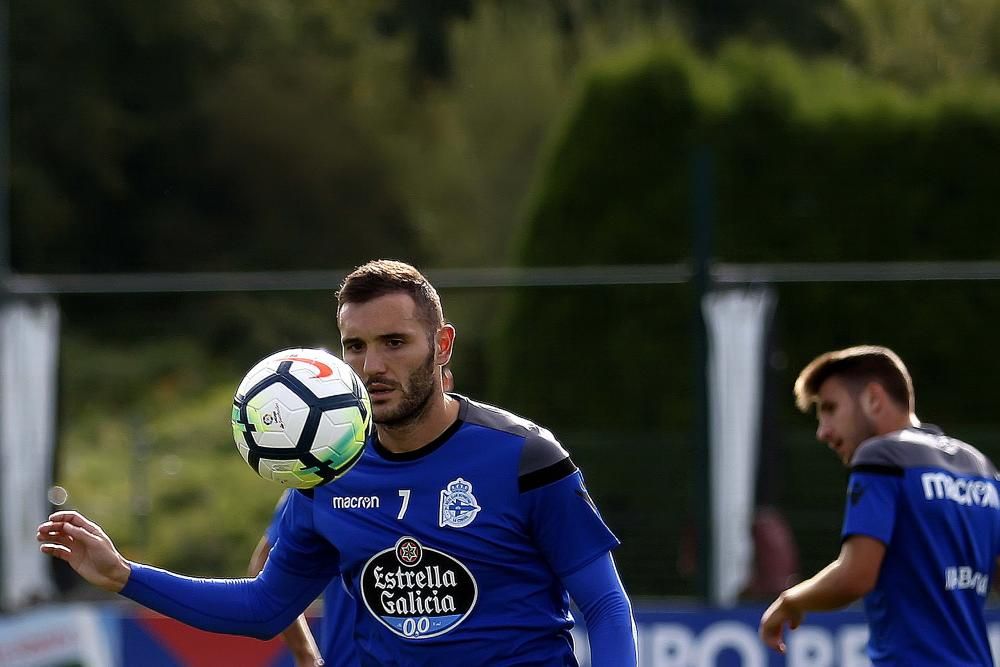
(723, 274)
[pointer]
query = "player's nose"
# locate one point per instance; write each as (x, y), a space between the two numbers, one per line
(823, 432)
(374, 364)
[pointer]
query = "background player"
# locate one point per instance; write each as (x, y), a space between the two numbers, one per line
(921, 529)
(462, 530)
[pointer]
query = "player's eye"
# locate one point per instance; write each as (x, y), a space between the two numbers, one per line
(395, 342)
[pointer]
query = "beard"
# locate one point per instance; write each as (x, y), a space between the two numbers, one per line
(416, 393)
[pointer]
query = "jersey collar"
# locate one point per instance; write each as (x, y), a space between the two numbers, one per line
(427, 449)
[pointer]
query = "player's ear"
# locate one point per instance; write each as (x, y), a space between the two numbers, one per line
(872, 398)
(444, 342)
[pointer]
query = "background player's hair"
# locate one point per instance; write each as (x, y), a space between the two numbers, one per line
(857, 365)
(385, 276)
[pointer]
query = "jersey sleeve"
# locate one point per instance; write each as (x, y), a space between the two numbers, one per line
(298, 548)
(598, 592)
(279, 508)
(562, 518)
(872, 500)
(298, 567)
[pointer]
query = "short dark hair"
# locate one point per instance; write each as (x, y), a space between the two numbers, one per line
(858, 364)
(385, 276)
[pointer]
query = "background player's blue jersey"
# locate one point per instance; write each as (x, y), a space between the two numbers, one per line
(454, 552)
(335, 638)
(933, 501)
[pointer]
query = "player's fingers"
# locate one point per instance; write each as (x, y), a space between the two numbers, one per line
(84, 534)
(86, 524)
(770, 634)
(767, 625)
(50, 527)
(55, 533)
(55, 550)
(66, 534)
(74, 518)
(74, 526)
(59, 538)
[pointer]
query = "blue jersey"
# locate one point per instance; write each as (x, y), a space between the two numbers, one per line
(336, 629)
(934, 502)
(455, 552)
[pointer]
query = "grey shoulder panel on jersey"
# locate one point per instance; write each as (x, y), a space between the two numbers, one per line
(916, 448)
(543, 460)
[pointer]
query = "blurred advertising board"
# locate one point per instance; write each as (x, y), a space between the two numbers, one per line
(699, 637)
(111, 635)
(72, 635)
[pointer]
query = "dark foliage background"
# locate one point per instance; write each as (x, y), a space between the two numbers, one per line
(258, 135)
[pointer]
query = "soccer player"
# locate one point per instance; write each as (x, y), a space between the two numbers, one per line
(336, 644)
(921, 531)
(462, 532)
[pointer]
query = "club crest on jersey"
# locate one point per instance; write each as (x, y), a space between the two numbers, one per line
(458, 505)
(417, 592)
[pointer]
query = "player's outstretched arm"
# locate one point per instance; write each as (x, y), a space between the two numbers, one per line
(74, 538)
(260, 607)
(840, 583)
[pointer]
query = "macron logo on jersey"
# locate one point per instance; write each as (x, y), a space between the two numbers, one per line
(942, 486)
(355, 502)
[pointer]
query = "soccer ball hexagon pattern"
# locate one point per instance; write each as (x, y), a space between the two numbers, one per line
(301, 417)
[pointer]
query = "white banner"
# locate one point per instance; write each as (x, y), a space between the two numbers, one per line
(29, 344)
(736, 322)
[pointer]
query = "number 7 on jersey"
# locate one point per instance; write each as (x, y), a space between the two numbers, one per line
(405, 495)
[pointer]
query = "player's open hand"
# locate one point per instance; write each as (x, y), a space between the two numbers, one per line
(74, 538)
(772, 623)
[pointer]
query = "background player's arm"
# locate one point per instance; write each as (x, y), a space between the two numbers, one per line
(297, 636)
(840, 583)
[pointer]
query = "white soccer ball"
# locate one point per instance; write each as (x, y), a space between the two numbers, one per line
(301, 418)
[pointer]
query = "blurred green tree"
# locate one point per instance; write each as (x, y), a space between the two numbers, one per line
(194, 135)
(920, 44)
(813, 161)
